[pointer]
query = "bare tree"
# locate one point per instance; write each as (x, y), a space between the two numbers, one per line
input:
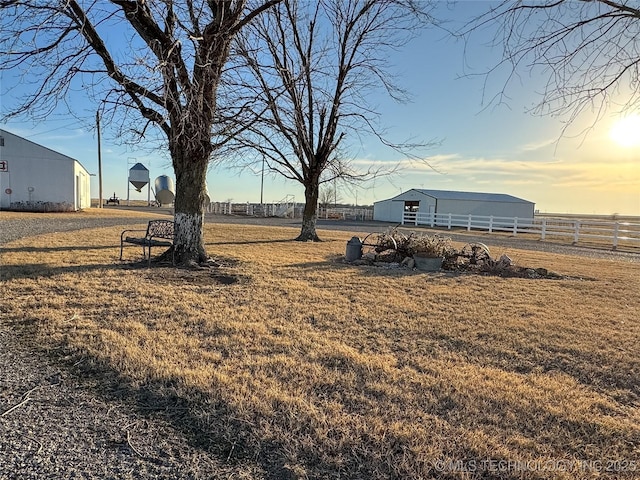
(312, 70)
(163, 63)
(329, 195)
(589, 50)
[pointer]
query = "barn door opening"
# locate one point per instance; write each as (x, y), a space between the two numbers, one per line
(411, 207)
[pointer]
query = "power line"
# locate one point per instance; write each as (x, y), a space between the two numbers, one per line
(78, 124)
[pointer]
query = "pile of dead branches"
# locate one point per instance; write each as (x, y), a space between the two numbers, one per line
(395, 247)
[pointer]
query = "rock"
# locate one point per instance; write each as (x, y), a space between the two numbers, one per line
(408, 262)
(505, 261)
(542, 272)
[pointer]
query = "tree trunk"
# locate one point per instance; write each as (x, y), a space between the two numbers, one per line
(310, 214)
(191, 172)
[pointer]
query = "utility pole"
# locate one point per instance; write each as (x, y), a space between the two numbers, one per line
(99, 161)
(262, 186)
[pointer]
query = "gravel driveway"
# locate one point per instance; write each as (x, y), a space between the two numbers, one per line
(52, 426)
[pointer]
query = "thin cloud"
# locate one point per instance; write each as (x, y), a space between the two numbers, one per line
(533, 146)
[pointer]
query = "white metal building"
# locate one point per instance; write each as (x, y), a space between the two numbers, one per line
(458, 203)
(36, 178)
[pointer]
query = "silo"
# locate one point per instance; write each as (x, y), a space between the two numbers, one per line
(138, 176)
(164, 190)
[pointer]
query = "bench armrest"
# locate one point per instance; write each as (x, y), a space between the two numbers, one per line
(125, 231)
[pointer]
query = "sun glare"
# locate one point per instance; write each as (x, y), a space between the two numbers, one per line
(626, 131)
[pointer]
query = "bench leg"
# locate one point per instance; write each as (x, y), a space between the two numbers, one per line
(173, 256)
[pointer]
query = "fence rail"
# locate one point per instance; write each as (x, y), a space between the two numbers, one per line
(287, 207)
(345, 213)
(615, 234)
(289, 210)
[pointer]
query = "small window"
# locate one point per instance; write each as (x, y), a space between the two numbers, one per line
(1, 141)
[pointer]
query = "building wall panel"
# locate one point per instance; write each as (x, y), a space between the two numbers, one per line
(38, 178)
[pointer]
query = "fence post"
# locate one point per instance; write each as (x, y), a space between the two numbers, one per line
(469, 223)
(491, 224)
(515, 226)
(576, 231)
(449, 222)
(403, 214)
(616, 231)
(544, 229)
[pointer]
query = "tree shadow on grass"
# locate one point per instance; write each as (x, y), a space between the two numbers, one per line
(251, 242)
(209, 426)
(66, 248)
(590, 368)
(43, 270)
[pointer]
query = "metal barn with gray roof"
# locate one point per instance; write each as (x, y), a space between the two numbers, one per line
(36, 178)
(440, 202)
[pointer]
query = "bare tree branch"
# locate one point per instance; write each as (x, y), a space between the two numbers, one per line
(588, 50)
(165, 66)
(311, 66)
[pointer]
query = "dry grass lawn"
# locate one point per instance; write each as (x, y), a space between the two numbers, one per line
(299, 366)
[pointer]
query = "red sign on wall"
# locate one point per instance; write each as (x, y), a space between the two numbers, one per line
(4, 166)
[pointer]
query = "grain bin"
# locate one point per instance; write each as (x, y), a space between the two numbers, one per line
(165, 193)
(138, 176)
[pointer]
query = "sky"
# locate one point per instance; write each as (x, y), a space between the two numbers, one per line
(479, 148)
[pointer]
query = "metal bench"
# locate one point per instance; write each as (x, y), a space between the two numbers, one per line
(159, 233)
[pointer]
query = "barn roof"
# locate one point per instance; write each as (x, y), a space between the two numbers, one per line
(58, 155)
(470, 196)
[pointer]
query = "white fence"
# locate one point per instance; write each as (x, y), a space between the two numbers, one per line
(287, 208)
(254, 209)
(345, 213)
(577, 230)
